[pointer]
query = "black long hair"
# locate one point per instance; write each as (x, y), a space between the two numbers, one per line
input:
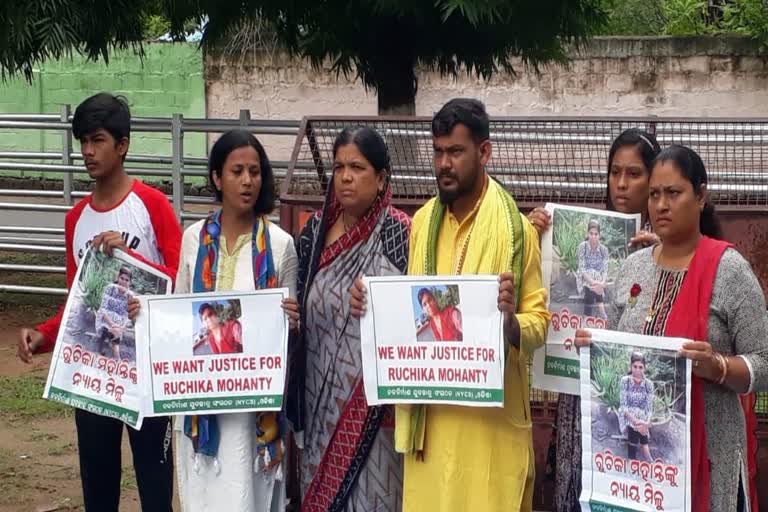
(692, 168)
(236, 139)
(647, 147)
(368, 142)
(635, 357)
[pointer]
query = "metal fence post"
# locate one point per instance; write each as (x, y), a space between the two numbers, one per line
(66, 153)
(245, 118)
(177, 163)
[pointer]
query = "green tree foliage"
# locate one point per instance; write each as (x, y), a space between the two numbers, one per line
(749, 18)
(447, 297)
(687, 17)
(634, 17)
(381, 41)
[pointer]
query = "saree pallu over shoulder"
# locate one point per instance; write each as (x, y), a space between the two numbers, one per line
(495, 244)
(689, 318)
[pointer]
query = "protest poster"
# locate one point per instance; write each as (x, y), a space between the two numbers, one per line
(635, 409)
(433, 339)
(95, 365)
(215, 352)
(580, 254)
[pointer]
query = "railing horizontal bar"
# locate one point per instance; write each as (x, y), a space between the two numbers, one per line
(34, 207)
(32, 230)
(32, 268)
(236, 123)
(30, 248)
(37, 290)
(197, 216)
(218, 127)
(39, 241)
(29, 117)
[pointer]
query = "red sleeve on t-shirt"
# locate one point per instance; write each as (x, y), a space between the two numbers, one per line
(50, 328)
(167, 233)
(166, 227)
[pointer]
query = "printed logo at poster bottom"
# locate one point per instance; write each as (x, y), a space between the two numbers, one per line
(94, 406)
(270, 402)
(561, 367)
(441, 393)
(598, 506)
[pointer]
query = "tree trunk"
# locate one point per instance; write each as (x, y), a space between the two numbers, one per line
(396, 86)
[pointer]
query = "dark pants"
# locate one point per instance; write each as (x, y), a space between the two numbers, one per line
(590, 300)
(99, 439)
(635, 440)
(106, 336)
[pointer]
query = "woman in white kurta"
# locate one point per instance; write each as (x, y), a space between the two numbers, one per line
(226, 252)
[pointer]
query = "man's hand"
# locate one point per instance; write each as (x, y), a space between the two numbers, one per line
(108, 241)
(28, 343)
(358, 298)
(507, 303)
(541, 220)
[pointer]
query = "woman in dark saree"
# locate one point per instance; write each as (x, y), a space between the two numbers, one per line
(347, 461)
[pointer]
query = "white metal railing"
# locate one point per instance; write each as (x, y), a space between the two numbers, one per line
(15, 237)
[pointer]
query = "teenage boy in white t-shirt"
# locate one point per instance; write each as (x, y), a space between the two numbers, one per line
(121, 213)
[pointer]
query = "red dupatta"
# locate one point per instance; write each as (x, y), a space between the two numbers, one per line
(689, 319)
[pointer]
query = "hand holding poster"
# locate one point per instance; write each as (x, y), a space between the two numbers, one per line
(580, 254)
(635, 407)
(215, 352)
(94, 364)
(433, 340)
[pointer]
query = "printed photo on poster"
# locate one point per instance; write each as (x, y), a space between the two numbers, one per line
(437, 312)
(638, 403)
(635, 404)
(588, 248)
(582, 254)
(217, 327)
(98, 317)
(95, 364)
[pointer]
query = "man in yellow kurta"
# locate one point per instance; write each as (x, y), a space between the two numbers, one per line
(460, 458)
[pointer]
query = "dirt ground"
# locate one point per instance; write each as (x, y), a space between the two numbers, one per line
(39, 469)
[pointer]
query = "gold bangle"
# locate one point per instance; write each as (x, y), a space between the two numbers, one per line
(719, 363)
(724, 364)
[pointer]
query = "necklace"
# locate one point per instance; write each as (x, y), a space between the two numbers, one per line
(344, 222)
(653, 311)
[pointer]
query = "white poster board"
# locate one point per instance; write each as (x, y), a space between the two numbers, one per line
(435, 339)
(636, 413)
(578, 291)
(213, 353)
(95, 364)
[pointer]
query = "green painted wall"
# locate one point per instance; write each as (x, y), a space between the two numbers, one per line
(168, 80)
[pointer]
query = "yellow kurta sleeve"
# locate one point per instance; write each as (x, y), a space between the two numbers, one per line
(533, 315)
(419, 222)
